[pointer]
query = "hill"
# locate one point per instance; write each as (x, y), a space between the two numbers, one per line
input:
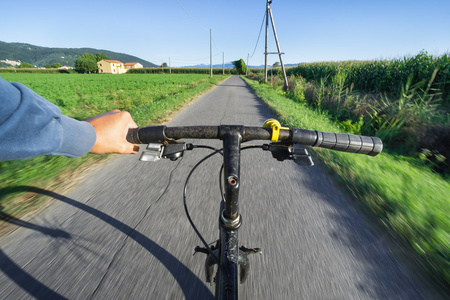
(40, 56)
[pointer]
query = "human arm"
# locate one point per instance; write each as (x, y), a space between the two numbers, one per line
(32, 126)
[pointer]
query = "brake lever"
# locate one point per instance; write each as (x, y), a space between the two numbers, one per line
(155, 152)
(152, 153)
(297, 153)
(302, 157)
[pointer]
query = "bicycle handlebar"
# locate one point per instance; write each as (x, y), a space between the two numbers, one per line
(336, 141)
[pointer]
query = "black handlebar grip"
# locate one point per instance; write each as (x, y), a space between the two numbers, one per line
(338, 141)
(146, 135)
(132, 136)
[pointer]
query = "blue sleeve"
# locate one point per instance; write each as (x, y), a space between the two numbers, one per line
(32, 126)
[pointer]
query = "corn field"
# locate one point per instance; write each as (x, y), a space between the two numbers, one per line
(423, 71)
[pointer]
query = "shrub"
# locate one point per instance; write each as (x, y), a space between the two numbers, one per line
(240, 66)
(25, 65)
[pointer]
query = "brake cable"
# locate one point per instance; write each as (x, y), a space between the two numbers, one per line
(216, 151)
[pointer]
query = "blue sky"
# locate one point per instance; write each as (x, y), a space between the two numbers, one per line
(308, 31)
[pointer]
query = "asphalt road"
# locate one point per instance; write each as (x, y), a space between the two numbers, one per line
(122, 233)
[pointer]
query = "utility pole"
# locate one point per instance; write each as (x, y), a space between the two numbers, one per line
(210, 51)
(246, 70)
(170, 68)
(269, 13)
(267, 39)
(223, 63)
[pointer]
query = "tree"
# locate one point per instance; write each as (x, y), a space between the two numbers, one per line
(56, 65)
(101, 56)
(276, 65)
(240, 66)
(164, 65)
(89, 56)
(86, 63)
(25, 65)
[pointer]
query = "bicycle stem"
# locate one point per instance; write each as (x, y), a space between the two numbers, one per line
(231, 136)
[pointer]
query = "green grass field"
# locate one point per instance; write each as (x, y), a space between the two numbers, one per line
(408, 198)
(151, 99)
(82, 95)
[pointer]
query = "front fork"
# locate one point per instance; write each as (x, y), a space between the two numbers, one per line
(231, 262)
(231, 258)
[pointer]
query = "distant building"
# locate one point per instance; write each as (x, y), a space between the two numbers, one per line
(65, 68)
(11, 62)
(111, 66)
(133, 65)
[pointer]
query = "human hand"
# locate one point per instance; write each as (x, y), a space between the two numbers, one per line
(112, 128)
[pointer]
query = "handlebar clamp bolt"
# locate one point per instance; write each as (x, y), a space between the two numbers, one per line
(233, 181)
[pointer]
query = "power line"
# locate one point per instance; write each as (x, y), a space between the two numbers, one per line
(192, 16)
(214, 43)
(260, 30)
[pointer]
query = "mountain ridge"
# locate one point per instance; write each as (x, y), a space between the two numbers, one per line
(40, 56)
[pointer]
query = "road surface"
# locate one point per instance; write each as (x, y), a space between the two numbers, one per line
(122, 233)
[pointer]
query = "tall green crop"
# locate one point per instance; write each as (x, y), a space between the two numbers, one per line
(386, 76)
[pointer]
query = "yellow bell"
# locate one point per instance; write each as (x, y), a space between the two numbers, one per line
(276, 126)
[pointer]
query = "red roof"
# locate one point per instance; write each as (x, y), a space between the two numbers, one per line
(130, 64)
(114, 61)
